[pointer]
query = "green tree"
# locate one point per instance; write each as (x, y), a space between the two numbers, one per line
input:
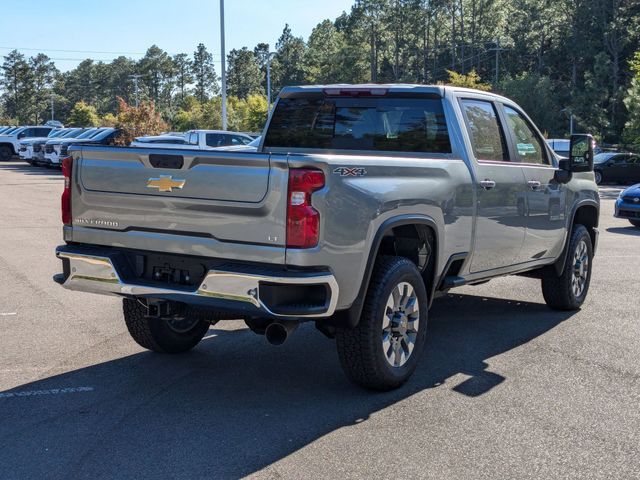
(204, 73)
(184, 77)
(43, 71)
(632, 102)
(83, 115)
(243, 75)
(159, 76)
(288, 63)
(17, 81)
(324, 58)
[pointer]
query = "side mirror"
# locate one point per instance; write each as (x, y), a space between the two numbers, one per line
(581, 153)
(21, 135)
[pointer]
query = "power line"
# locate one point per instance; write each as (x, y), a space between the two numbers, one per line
(88, 51)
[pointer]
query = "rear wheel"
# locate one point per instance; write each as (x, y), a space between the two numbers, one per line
(5, 153)
(635, 223)
(165, 336)
(568, 291)
(383, 351)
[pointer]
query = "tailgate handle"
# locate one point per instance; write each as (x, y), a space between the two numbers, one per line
(166, 161)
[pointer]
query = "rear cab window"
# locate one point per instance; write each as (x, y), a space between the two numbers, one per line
(360, 123)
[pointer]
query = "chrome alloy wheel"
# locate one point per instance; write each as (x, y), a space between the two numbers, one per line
(580, 269)
(400, 324)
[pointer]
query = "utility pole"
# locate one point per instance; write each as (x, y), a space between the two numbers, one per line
(497, 49)
(270, 55)
(223, 68)
(571, 123)
(52, 110)
(135, 79)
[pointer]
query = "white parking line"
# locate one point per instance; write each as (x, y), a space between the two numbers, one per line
(53, 391)
(8, 314)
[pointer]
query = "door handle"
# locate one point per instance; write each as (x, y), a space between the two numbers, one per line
(487, 184)
(534, 184)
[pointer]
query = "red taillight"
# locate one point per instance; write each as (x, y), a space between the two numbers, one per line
(67, 168)
(303, 221)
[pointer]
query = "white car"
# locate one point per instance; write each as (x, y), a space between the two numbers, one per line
(10, 142)
(159, 141)
(53, 147)
(25, 148)
(205, 140)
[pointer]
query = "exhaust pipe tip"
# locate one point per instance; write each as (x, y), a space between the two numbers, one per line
(277, 333)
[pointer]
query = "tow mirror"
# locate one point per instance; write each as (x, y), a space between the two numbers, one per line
(580, 153)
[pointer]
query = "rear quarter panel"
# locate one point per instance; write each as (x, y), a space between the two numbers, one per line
(354, 208)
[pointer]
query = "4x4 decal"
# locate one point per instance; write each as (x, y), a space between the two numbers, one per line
(350, 171)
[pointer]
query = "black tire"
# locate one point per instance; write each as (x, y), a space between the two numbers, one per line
(361, 350)
(158, 335)
(558, 291)
(598, 177)
(635, 223)
(5, 153)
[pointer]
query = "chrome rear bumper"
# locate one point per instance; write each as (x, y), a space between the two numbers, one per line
(97, 274)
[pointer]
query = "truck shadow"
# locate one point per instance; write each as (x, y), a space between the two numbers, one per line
(235, 405)
(23, 167)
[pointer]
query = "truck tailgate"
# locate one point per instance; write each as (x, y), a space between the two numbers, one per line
(225, 196)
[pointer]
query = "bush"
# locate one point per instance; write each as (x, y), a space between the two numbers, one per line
(138, 121)
(83, 115)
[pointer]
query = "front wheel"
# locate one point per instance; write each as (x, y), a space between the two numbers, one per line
(568, 291)
(165, 336)
(635, 223)
(383, 351)
(598, 176)
(5, 153)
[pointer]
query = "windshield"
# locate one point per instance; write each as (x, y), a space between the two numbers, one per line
(56, 133)
(103, 132)
(88, 133)
(72, 132)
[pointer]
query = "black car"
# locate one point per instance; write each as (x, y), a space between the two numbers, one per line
(617, 167)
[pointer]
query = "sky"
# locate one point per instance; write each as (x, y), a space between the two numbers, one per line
(69, 31)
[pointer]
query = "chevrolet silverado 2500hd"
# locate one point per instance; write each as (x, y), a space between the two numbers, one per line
(360, 205)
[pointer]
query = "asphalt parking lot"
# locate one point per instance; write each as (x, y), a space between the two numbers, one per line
(506, 389)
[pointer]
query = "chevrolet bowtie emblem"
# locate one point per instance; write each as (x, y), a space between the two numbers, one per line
(165, 183)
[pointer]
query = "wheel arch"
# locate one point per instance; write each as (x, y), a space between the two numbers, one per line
(397, 228)
(585, 213)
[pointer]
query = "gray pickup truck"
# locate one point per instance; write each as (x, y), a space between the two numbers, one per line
(361, 205)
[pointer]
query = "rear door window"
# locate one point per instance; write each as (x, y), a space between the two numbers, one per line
(216, 140)
(485, 131)
(379, 124)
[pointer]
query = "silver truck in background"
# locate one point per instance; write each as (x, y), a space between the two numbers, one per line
(360, 205)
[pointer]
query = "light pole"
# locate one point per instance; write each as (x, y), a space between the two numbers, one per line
(570, 113)
(52, 110)
(135, 79)
(270, 55)
(223, 67)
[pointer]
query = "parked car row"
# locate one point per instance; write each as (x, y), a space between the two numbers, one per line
(46, 145)
(614, 167)
(196, 139)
